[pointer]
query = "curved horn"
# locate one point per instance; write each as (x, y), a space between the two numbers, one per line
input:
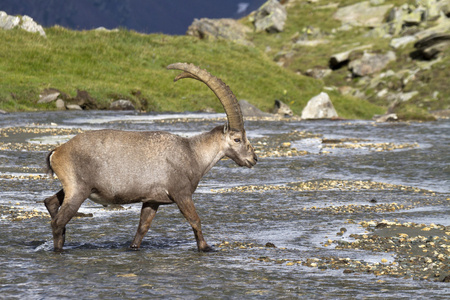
(222, 91)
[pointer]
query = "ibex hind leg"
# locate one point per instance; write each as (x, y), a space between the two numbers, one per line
(54, 202)
(68, 209)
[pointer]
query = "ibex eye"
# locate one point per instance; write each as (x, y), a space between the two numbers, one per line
(237, 140)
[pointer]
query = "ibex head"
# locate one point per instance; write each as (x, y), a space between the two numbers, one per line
(238, 147)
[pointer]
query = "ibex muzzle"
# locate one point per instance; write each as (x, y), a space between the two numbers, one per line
(155, 168)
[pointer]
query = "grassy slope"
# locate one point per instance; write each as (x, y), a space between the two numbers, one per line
(113, 65)
(305, 14)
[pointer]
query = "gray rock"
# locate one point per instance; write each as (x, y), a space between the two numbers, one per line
(389, 117)
(24, 22)
(371, 63)
(28, 24)
(362, 14)
(444, 6)
(8, 22)
(270, 17)
(49, 97)
(73, 107)
(281, 108)
(60, 105)
(341, 58)
(319, 107)
(441, 114)
(122, 105)
(249, 110)
(414, 18)
(401, 97)
(3, 112)
(103, 29)
(318, 72)
(430, 46)
(227, 29)
(402, 41)
(432, 8)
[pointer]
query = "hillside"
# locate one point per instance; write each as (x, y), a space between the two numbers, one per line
(411, 85)
(123, 64)
(128, 65)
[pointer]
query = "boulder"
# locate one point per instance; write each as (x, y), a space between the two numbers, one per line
(84, 100)
(3, 112)
(249, 110)
(319, 107)
(389, 117)
(441, 114)
(60, 105)
(430, 46)
(340, 59)
(270, 17)
(25, 22)
(122, 105)
(73, 107)
(362, 14)
(402, 41)
(281, 108)
(49, 97)
(227, 29)
(401, 97)
(318, 72)
(371, 63)
(414, 18)
(28, 24)
(8, 22)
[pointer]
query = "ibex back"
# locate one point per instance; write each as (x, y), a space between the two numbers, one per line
(155, 168)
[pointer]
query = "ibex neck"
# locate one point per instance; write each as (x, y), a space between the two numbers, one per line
(208, 148)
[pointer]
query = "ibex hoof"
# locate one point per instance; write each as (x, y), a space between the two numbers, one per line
(207, 249)
(134, 248)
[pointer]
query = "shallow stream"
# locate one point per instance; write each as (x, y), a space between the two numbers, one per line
(344, 172)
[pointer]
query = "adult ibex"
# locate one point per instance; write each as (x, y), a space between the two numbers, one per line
(155, 168)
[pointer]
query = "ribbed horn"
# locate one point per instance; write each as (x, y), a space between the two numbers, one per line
(222, 91)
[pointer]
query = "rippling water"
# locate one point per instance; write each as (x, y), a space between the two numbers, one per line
(96, 263)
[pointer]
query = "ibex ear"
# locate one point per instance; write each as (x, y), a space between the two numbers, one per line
(225, 128)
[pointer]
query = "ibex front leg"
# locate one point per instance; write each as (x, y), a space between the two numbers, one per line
(148, 212)
(187, 208)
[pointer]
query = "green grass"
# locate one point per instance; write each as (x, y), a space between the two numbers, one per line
(303, 15)
(126, 64)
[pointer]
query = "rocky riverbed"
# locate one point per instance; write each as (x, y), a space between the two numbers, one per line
(335, 202)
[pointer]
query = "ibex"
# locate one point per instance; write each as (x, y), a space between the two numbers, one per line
(155, 168)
